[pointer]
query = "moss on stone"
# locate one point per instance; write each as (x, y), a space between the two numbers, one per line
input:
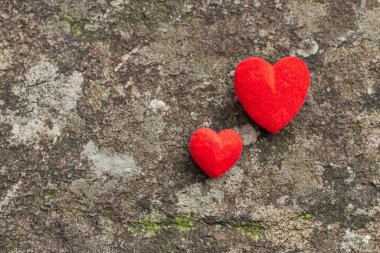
(153, 224)
(149, 226)
(74, 25)
(183, 222)
(254, 230)
(133, 230)
(305, 216)
(50, 194)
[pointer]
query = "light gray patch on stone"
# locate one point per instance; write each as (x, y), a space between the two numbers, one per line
(158, 105)
(369, 24)
(208, 199)
(72, 89)
(33, 129)
(308, 47)
(48, 100)
(247, 133)
(196, 199)
(5, 59)
(41, 73)
(103, 163)
(282, 200)
(306, 14)
(207, 123)
(354, 242)
(118, 4)
(278, 4)
(371, 89)
(239, 249)
(374, 137)
(194, 115)
(95, 21)
(352, 175)
(371, 211)
(9, 195)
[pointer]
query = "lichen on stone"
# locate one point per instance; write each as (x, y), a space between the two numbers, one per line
(50, 194)
(73, 25)
(254, 230)
(183, 222)
(306, 216)
(148, 226)
(104, 163)
(48, 101)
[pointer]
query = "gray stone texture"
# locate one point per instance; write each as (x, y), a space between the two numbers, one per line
(98, 100)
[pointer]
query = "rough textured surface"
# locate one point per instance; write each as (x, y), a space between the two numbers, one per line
(98, 100)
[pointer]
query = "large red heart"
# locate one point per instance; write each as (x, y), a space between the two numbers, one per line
(215, 153)
(272, 95)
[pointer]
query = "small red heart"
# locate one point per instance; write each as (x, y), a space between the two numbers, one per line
(215, 153)
(272, 95)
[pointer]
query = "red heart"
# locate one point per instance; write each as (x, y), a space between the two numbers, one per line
(215, 152)
(272, 95)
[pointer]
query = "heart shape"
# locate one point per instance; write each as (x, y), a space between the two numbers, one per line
(215, 153)
(272, 95)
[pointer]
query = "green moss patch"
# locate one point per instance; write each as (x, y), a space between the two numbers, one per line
(254, 230)
(149, 226)
(306, 216)
(74, 25)
(50, 194)
(183, 222)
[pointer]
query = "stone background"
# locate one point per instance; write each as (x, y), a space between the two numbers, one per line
(98, 100)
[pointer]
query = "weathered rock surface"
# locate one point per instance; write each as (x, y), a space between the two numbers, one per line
(98, 100)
